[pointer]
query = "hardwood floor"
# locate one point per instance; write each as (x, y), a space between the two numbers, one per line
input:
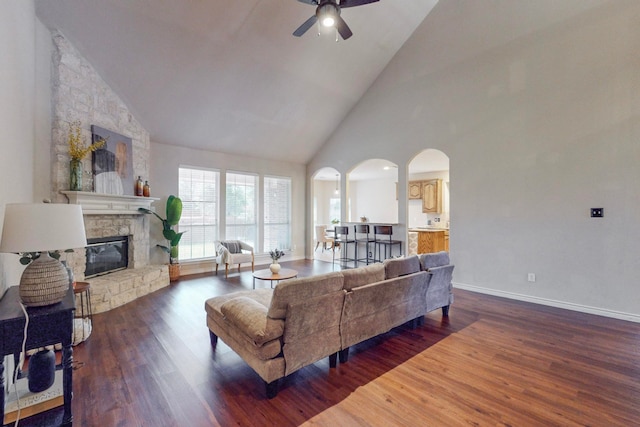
(492, 362)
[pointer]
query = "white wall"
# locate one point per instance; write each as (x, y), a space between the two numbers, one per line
(375, 199)
(17, 116)
(538, 127)
(166, 159)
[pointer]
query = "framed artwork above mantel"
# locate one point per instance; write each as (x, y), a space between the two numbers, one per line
(113, 163)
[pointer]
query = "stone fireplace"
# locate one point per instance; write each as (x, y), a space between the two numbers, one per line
(106, 216)
(78, 93)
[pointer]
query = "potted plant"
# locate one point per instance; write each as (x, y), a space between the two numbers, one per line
(275, 255)
(173, 214)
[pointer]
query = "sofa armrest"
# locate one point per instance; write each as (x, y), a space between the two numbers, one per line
(250, 317)
(442, 276)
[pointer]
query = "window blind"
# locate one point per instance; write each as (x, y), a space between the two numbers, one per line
(198, 189)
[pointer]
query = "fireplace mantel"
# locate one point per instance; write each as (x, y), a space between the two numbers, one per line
(108, 204)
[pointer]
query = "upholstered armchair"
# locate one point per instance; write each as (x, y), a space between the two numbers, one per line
(229, 252)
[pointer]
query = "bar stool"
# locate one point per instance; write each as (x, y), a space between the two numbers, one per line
(83, 290)
(342, 240)
(363, 229)
(385, 230)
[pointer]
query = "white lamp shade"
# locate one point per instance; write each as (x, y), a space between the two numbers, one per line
(39, 227)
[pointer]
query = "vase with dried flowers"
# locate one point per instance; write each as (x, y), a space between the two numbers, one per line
(275, 255)
(78, 150)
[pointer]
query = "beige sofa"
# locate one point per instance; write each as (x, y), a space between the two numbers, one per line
(381, 297)
(278, 331)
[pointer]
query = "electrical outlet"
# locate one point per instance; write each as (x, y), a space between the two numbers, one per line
(597, 212)
(531, 277)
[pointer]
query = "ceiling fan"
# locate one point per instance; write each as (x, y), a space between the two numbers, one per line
(328, 14)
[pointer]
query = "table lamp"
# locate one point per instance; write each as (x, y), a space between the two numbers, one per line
(42, 227)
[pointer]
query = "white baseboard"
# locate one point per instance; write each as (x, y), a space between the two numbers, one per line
(552, 303)
(207, 265)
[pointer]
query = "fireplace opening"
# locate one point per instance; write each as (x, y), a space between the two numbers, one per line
(106, 255)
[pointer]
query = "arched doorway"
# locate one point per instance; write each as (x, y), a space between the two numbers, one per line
(372, 192)
(326, 210)
(428, 204)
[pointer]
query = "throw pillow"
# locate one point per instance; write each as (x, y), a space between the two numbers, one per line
(233, 246)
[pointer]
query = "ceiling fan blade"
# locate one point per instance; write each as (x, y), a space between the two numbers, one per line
(343, 28)
(311, 2)
(353, 3)
(304, 27)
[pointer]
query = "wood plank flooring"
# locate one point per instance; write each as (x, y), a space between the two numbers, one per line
(492, 362)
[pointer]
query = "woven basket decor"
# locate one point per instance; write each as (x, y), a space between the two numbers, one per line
(44, 282)
(174, 272)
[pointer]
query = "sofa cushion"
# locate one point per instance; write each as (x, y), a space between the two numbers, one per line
(397, 267)
(295, 291)
(313, 330)
(250, 317)
(241, 343)
(212, 305)
(376, 308)
(436, 259)
(356, 277)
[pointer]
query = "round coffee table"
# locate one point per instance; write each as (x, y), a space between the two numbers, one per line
(284, 273)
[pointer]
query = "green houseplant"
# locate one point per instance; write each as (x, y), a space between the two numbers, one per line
(173, 214)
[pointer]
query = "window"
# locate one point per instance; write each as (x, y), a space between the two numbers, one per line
(277, 213)
(241, 197)
(198, 189)
(334, 209)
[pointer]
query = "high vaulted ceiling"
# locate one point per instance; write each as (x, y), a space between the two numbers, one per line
(229, 76)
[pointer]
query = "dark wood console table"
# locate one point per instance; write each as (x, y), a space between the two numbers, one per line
(48, 325)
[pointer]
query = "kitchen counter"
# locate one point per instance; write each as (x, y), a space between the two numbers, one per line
(431, 239)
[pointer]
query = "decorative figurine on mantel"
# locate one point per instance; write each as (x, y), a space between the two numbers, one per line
(139, 186)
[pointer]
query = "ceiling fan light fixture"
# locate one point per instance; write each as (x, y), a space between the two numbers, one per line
(327, 13)
(328, 21)
(328, 16)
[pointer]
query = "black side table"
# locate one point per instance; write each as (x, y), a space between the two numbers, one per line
(48, 325)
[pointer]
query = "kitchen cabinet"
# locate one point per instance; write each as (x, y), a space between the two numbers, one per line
(432, 196)
(446, 240)
(415, 190)
(431, 241)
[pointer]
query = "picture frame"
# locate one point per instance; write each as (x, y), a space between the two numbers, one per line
(112, 164)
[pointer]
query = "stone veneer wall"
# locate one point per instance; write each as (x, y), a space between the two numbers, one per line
(80, 94)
